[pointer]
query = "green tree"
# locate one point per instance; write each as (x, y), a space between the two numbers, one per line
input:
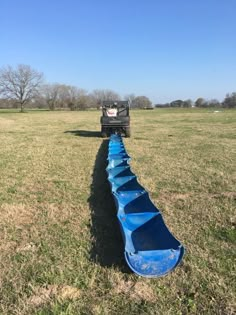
(200, 102)
(230, 100)
(188, 103)
(213, 103)
(141, 102)
(177, 103)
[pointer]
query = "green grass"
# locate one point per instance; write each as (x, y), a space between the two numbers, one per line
(61, 248)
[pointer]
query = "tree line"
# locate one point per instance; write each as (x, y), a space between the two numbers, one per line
(228, 102)
(24, 86)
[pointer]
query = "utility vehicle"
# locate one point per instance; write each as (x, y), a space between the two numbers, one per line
(115, 118)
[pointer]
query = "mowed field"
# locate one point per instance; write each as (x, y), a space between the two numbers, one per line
(61, 250)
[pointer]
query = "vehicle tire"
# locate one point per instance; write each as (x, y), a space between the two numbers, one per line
(127, 132)
(103, 132)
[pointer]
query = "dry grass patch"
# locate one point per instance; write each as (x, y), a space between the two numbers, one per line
(45, 295)
(135, 291)
(17, 215)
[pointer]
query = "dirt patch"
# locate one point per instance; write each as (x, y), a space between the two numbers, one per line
(44, 295)
(29, 247)
(136, 291)
(124, 287)
(143, 291)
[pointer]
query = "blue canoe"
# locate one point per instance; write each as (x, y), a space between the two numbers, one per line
(150, 249)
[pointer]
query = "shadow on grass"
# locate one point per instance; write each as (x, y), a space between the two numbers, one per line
(85, 133)
(107, 244)
(13, 111)
(25, 111)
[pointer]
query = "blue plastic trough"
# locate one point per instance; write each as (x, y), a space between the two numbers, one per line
(150, 249)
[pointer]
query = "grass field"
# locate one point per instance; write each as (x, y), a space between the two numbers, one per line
(61, 248)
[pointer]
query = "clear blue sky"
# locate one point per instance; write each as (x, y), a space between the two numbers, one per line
(164, 49)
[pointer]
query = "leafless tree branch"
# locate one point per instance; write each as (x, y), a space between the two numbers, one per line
(21, 84)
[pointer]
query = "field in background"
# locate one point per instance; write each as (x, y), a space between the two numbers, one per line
(61, 249)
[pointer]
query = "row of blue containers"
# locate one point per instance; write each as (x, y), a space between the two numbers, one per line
(150, 249)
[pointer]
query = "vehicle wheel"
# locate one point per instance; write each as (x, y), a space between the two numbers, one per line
(104, 133)
(127, 132)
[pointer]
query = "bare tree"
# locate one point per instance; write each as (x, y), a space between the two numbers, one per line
(105, 95)
(130, 97)
(72, 97)
(74, 94)
(83, 99)
(64, 97)
(20, 84)
(50, 93)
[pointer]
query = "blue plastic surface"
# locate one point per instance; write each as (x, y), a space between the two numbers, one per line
(150, 249)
